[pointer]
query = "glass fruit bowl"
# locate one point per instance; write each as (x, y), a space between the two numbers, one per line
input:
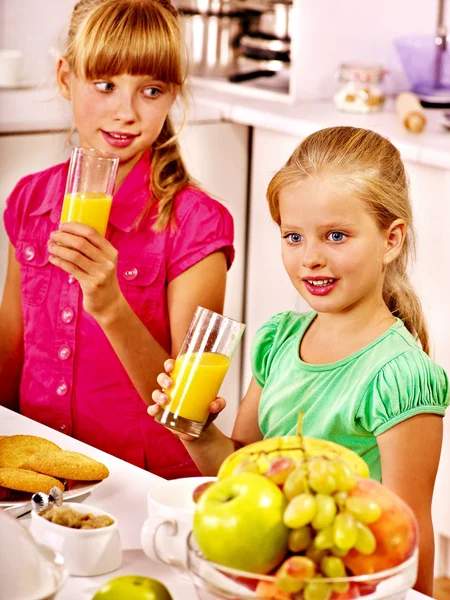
(215, 582)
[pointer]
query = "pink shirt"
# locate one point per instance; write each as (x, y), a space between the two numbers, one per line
(72, 379)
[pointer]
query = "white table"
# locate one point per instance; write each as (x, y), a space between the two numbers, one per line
(123, 494)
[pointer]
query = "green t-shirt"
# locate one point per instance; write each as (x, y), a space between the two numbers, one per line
(350, 401)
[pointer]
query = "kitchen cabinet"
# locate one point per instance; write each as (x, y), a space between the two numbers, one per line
(216, 154)
(269, 290)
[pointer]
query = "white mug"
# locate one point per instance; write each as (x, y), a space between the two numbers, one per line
(171, 510)
(11, 64)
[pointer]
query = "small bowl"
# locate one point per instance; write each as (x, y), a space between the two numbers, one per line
(86, 552)
(215, 582)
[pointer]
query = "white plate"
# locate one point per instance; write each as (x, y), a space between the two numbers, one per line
(75, 492)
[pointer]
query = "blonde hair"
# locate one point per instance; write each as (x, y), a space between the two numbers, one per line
(137, 37)
(369, 167)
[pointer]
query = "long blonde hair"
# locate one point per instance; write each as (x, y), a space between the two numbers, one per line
(369, 167)
(137, 37)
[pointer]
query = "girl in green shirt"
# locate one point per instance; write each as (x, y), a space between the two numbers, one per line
(358, 364)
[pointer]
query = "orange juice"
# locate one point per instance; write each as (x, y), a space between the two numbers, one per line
(88, 208)
(197, 380)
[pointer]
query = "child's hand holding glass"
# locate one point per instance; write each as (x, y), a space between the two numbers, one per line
(161, 400)
(189, 398)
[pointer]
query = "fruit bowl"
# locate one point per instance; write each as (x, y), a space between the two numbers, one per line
(215, 582)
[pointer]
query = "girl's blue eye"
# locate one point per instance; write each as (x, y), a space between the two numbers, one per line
(336, 236)
(293, 238)
(152, 92)
(104, 86)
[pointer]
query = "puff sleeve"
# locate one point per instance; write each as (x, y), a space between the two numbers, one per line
(409, 385)
(15, 209)
(204, 226)
(264, 348)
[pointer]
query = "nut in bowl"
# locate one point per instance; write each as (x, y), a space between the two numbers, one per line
(90, 544)
(215, 582)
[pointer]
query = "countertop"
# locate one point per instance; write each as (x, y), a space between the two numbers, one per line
(42, 109)
(123, 494)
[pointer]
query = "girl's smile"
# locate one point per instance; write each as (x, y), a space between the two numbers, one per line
(118, 139)
(320, 286)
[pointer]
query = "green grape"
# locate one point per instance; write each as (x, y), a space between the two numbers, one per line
(364, 509)
(332, 566)
(338, 551)
(317, 590)
(325, 511)
(291, 575)
(300, 511)
(315, 554)
(344, 531)
(324, 540)
(344, 476)
(341, 587)
(321, 479)
(365, 541)
(299, 539)
(340, 498)
(296, 483)
(279, 469)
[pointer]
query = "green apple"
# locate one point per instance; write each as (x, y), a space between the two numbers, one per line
(238, 523)
(132, 587)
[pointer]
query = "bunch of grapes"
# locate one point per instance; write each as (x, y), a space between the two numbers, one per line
(325, 523)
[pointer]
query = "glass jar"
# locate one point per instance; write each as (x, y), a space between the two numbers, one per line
(360, 89)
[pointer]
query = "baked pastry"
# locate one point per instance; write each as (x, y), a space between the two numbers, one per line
(16, 449)
(67, 465)
(23, 480)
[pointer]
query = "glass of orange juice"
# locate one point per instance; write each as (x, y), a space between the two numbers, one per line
(90, 188)
(199, 370)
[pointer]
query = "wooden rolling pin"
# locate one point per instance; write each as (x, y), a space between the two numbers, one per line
(410, 112)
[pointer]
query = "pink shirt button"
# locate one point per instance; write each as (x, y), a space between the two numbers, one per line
(71, 279)
(29, 252)
(63, 427)
(64, 352)
(67, 315)
(130, 274)
(62, 389)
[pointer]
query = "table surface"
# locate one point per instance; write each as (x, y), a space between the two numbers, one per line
(123, 494)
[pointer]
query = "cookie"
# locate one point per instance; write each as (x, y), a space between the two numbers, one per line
(27, 481)
(67, 465)
(16, 449)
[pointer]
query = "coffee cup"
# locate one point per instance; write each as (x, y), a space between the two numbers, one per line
(171, 509)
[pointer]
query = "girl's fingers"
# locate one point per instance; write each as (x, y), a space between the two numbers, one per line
(168, 365)
(73, 257)
(217, 406)
(160, 397)
(69, 267)
(153, 410)
(164, 381)
(76, 243)
(87, 232)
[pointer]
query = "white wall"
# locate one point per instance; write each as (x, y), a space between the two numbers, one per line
(35, 26)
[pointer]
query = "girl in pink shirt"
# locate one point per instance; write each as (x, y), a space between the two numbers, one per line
(87, 321)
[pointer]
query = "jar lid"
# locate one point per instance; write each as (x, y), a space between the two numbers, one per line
(361, 72)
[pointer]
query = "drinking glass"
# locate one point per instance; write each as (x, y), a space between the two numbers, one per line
(90, 187)
(199, 370)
